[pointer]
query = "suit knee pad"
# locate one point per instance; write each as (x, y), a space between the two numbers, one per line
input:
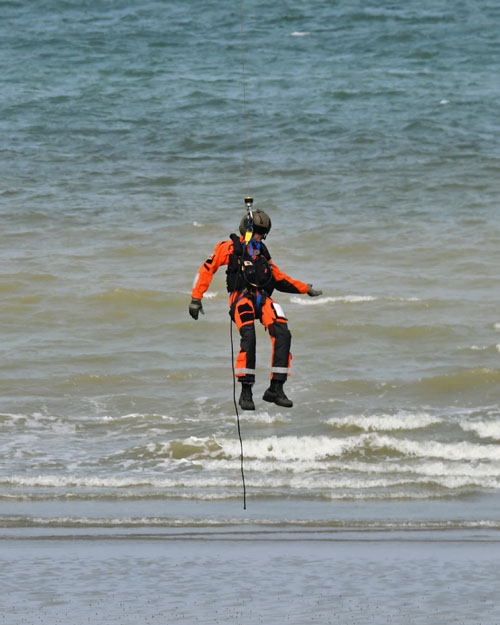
(280, 332)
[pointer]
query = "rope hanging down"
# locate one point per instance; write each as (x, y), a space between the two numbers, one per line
(238, 419)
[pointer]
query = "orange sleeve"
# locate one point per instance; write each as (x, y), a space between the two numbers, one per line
(206, 272)
(285, 283)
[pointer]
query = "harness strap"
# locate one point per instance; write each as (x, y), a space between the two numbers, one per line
(235, 302)
(257, 299)
(257, 302)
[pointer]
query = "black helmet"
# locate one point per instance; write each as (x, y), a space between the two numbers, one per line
(261, 223)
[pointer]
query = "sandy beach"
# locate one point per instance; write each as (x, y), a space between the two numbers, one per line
(250, 577)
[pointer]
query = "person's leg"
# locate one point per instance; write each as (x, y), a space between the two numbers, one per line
(273, 318)
(243, 314)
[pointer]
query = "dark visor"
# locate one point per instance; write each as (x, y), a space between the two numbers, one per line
(260, 230)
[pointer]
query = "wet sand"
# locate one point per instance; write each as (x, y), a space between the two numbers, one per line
(222, 577)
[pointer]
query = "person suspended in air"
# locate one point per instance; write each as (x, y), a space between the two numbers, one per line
(251, 278)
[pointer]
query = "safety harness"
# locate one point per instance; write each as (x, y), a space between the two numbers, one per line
(249, 267)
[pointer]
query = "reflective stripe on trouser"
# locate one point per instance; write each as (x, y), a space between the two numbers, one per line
(244, 371)
(272, 317)
(285, 370)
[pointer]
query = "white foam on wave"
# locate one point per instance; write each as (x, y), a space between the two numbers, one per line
(497, 325)
(461, 450)
(299, 33)
(33, 418)
(366, 481)
(385, 422)
(144, 521)
(9, 417)
(349, 299)
(266, 418)
(290, 448)
(356, 483)
(344, 299)
(401, 494)
(483, 429)
(321, 475)
(308, 450)
(132, 417)
(426, 467)
(121, 483)
(209, 466)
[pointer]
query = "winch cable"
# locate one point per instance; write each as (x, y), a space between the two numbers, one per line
(243, 81)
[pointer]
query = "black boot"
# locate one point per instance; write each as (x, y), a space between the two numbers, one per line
(276, 395)
(246, 399)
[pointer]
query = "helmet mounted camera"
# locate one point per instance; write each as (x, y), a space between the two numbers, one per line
(257, 221)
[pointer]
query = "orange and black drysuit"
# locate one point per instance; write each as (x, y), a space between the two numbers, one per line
(251, 277)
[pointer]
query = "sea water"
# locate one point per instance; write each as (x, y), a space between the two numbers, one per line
(131, 133)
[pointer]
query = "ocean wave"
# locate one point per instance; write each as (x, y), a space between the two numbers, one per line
(265, 418)
(463, 380)
(385, 422)
(313, 448)
(345, 299)
(336, 483)
(483, 429)
(458, 450)
(113, 482)
(349, 299)
(428, 468)
(266, 526)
